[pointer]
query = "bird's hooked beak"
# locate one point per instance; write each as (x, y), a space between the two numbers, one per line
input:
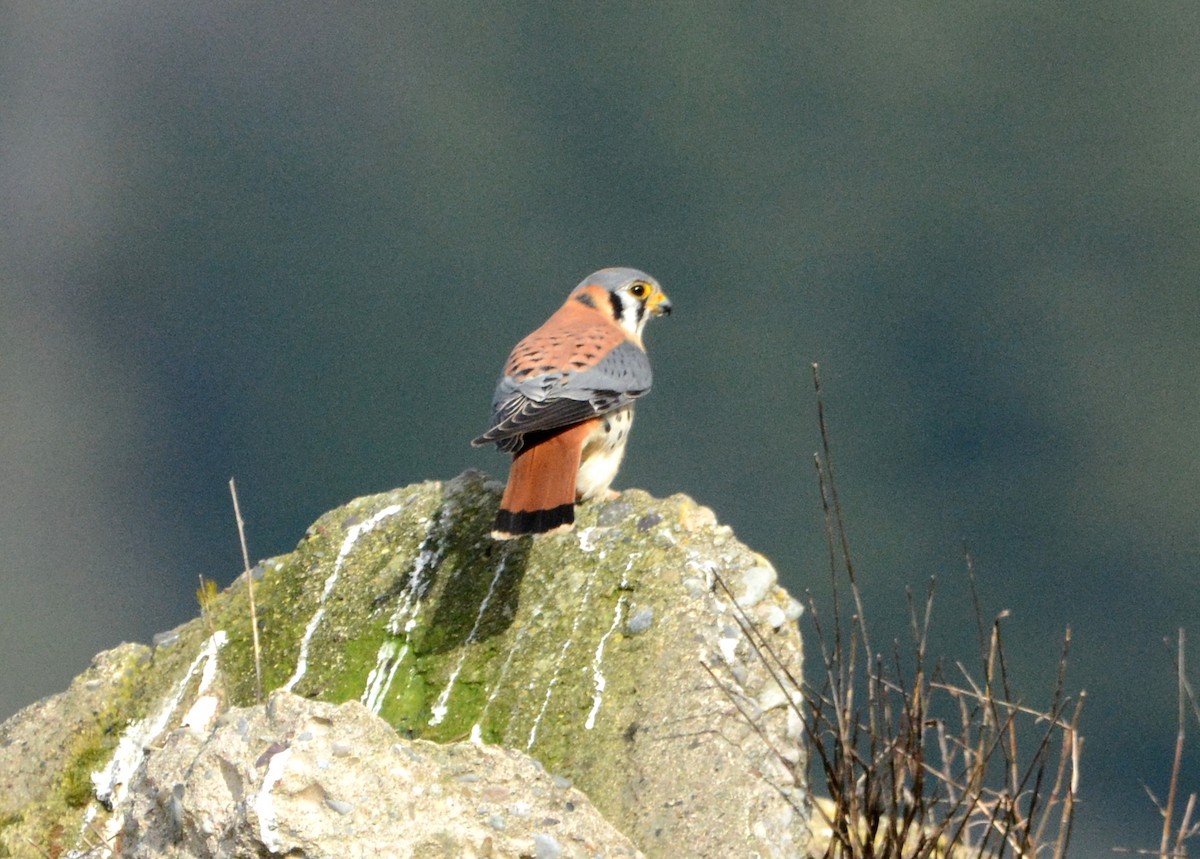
(659, 304)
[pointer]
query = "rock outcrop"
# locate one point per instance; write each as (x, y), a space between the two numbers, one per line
(297, 777)
(435, 690)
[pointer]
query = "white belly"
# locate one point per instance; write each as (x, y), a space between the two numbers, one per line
(602, 453)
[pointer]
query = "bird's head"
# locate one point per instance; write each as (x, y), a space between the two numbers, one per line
(631, 296)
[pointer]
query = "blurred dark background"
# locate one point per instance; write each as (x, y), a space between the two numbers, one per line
(293, 243)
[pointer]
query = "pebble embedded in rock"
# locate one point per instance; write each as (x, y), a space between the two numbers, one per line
(546, 847)
(772, 697)
(520, 809)
(756, 582)
(774, 616)
(648, 521)
(339, 805)
(614, 513)
(165, 639)
(496, 793)
(408, 752)
(640, 621)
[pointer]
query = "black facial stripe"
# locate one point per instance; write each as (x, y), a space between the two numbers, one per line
(641, 311)
(617, 307)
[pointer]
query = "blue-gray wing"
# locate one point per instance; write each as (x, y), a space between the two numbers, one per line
(559, 399)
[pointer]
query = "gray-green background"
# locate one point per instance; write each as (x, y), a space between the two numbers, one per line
(294, 242)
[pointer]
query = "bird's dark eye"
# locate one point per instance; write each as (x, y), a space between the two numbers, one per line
(639, 290)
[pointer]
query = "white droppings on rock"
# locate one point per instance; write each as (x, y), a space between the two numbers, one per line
(263, 803)
(379, 680)
(202, 714)
(403, 620)
(562, 655)
(110, 783)
(625, 583)
(598, 680)
(587, 542)
(352, 536)
(728, 647)
(477, 728)
(209, 657)
(441, 705)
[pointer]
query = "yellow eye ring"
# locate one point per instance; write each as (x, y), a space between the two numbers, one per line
(639, 290)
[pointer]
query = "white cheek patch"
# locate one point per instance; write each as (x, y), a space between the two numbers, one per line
(633, 314)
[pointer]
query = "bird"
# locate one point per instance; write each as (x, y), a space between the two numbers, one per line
(564, 403)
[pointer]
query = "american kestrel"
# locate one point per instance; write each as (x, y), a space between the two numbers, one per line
(564, 405)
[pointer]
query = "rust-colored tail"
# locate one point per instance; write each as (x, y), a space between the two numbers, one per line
(540, 495)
